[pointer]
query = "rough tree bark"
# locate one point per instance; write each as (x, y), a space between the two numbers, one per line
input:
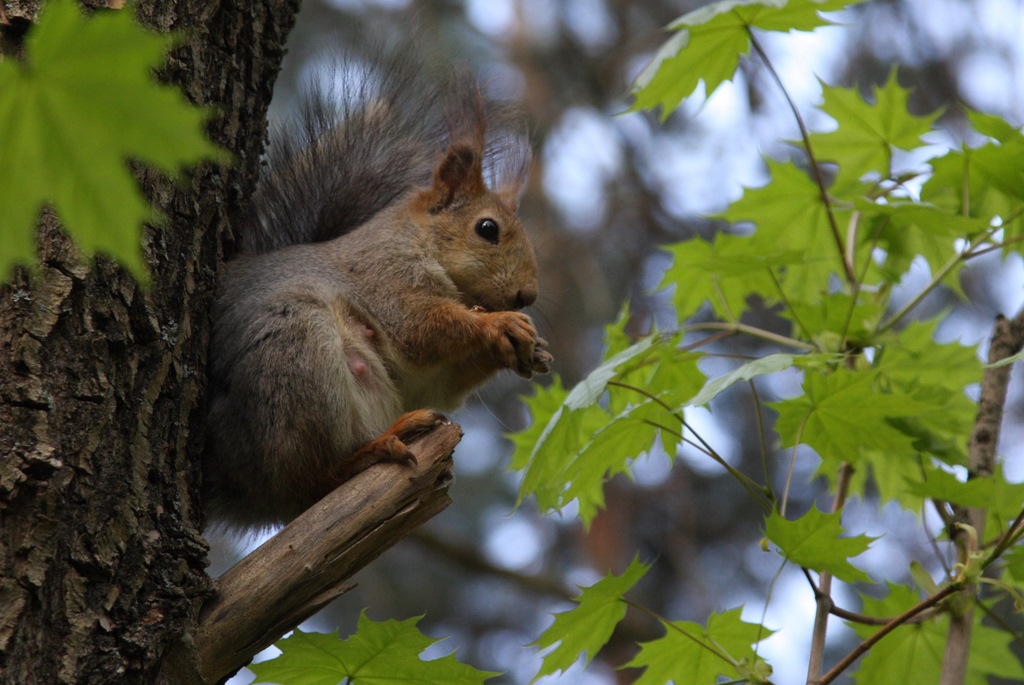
(102, 387)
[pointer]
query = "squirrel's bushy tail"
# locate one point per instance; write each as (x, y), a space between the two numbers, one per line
(363, 136)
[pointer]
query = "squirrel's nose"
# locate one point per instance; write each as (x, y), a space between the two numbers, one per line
(526, 297)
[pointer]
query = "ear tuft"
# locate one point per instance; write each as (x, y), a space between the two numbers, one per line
(460, 173)
(460, 167)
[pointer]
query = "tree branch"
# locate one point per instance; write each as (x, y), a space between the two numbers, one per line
(867, 644)
(824, 596)
(1007, 340)
(302, 568)
(853, 616)
(734, 328)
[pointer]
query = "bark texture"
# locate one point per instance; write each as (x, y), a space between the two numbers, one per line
(102, 391)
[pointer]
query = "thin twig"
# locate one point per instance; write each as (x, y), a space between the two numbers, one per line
(670, 625)
(1007, 539)
(859, 282)
(753, 487)
(817, 657)
(818, 178)
(750, 484)
(651, 396)
(724, 302)
(715, 337)
(940, 509)
(789, 305)
(867, 644)
(810, 580)
(994, 246)
(848, 615)
(936, 280)
(753, 331)
(878, 620)
(792, 463)
(760, 435)
(940, 275)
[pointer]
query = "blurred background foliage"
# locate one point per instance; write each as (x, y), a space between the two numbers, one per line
(607, 190)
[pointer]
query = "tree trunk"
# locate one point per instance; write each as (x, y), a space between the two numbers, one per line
(102, 389)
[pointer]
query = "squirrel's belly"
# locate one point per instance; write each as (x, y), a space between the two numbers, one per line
(356, 356)
(430, 386)
(368, 398)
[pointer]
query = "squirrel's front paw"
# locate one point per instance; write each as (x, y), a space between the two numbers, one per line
(542, 359)
(514, 341)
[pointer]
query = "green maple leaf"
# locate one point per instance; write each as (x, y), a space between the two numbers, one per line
(709, 41)
(791, 220)
(565, 435)
(835, 318)
(813, 541)
(611, 447)
(691, 653)
(543, 405)
(83, 103)
(609, 453)
(914, 652)
(946, 487)
(843, 414)
(616, 339)
(771, 363)
(867, 133)
(983, 182)
(907, 230)
(588, 391)
(379, 652)
(940, 431)
(1013, 564)
(889, 475)
(934, 374)
(663, 371)
(997, 128)
(569, 425)
(991, 655)
(915, 358)
(1001, 500)
(725, 272)
(589, 626)
(581, 444)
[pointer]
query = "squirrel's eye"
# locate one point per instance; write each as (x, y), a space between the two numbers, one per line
(488, 230)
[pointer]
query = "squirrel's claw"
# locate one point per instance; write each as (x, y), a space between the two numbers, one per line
(542, 359)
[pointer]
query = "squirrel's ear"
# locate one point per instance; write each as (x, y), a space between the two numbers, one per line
(460, 173)
(510, 198)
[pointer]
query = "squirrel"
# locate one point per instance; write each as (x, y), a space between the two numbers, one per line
(379, 282)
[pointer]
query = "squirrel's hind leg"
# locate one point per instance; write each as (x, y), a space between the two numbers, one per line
(393, 445)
